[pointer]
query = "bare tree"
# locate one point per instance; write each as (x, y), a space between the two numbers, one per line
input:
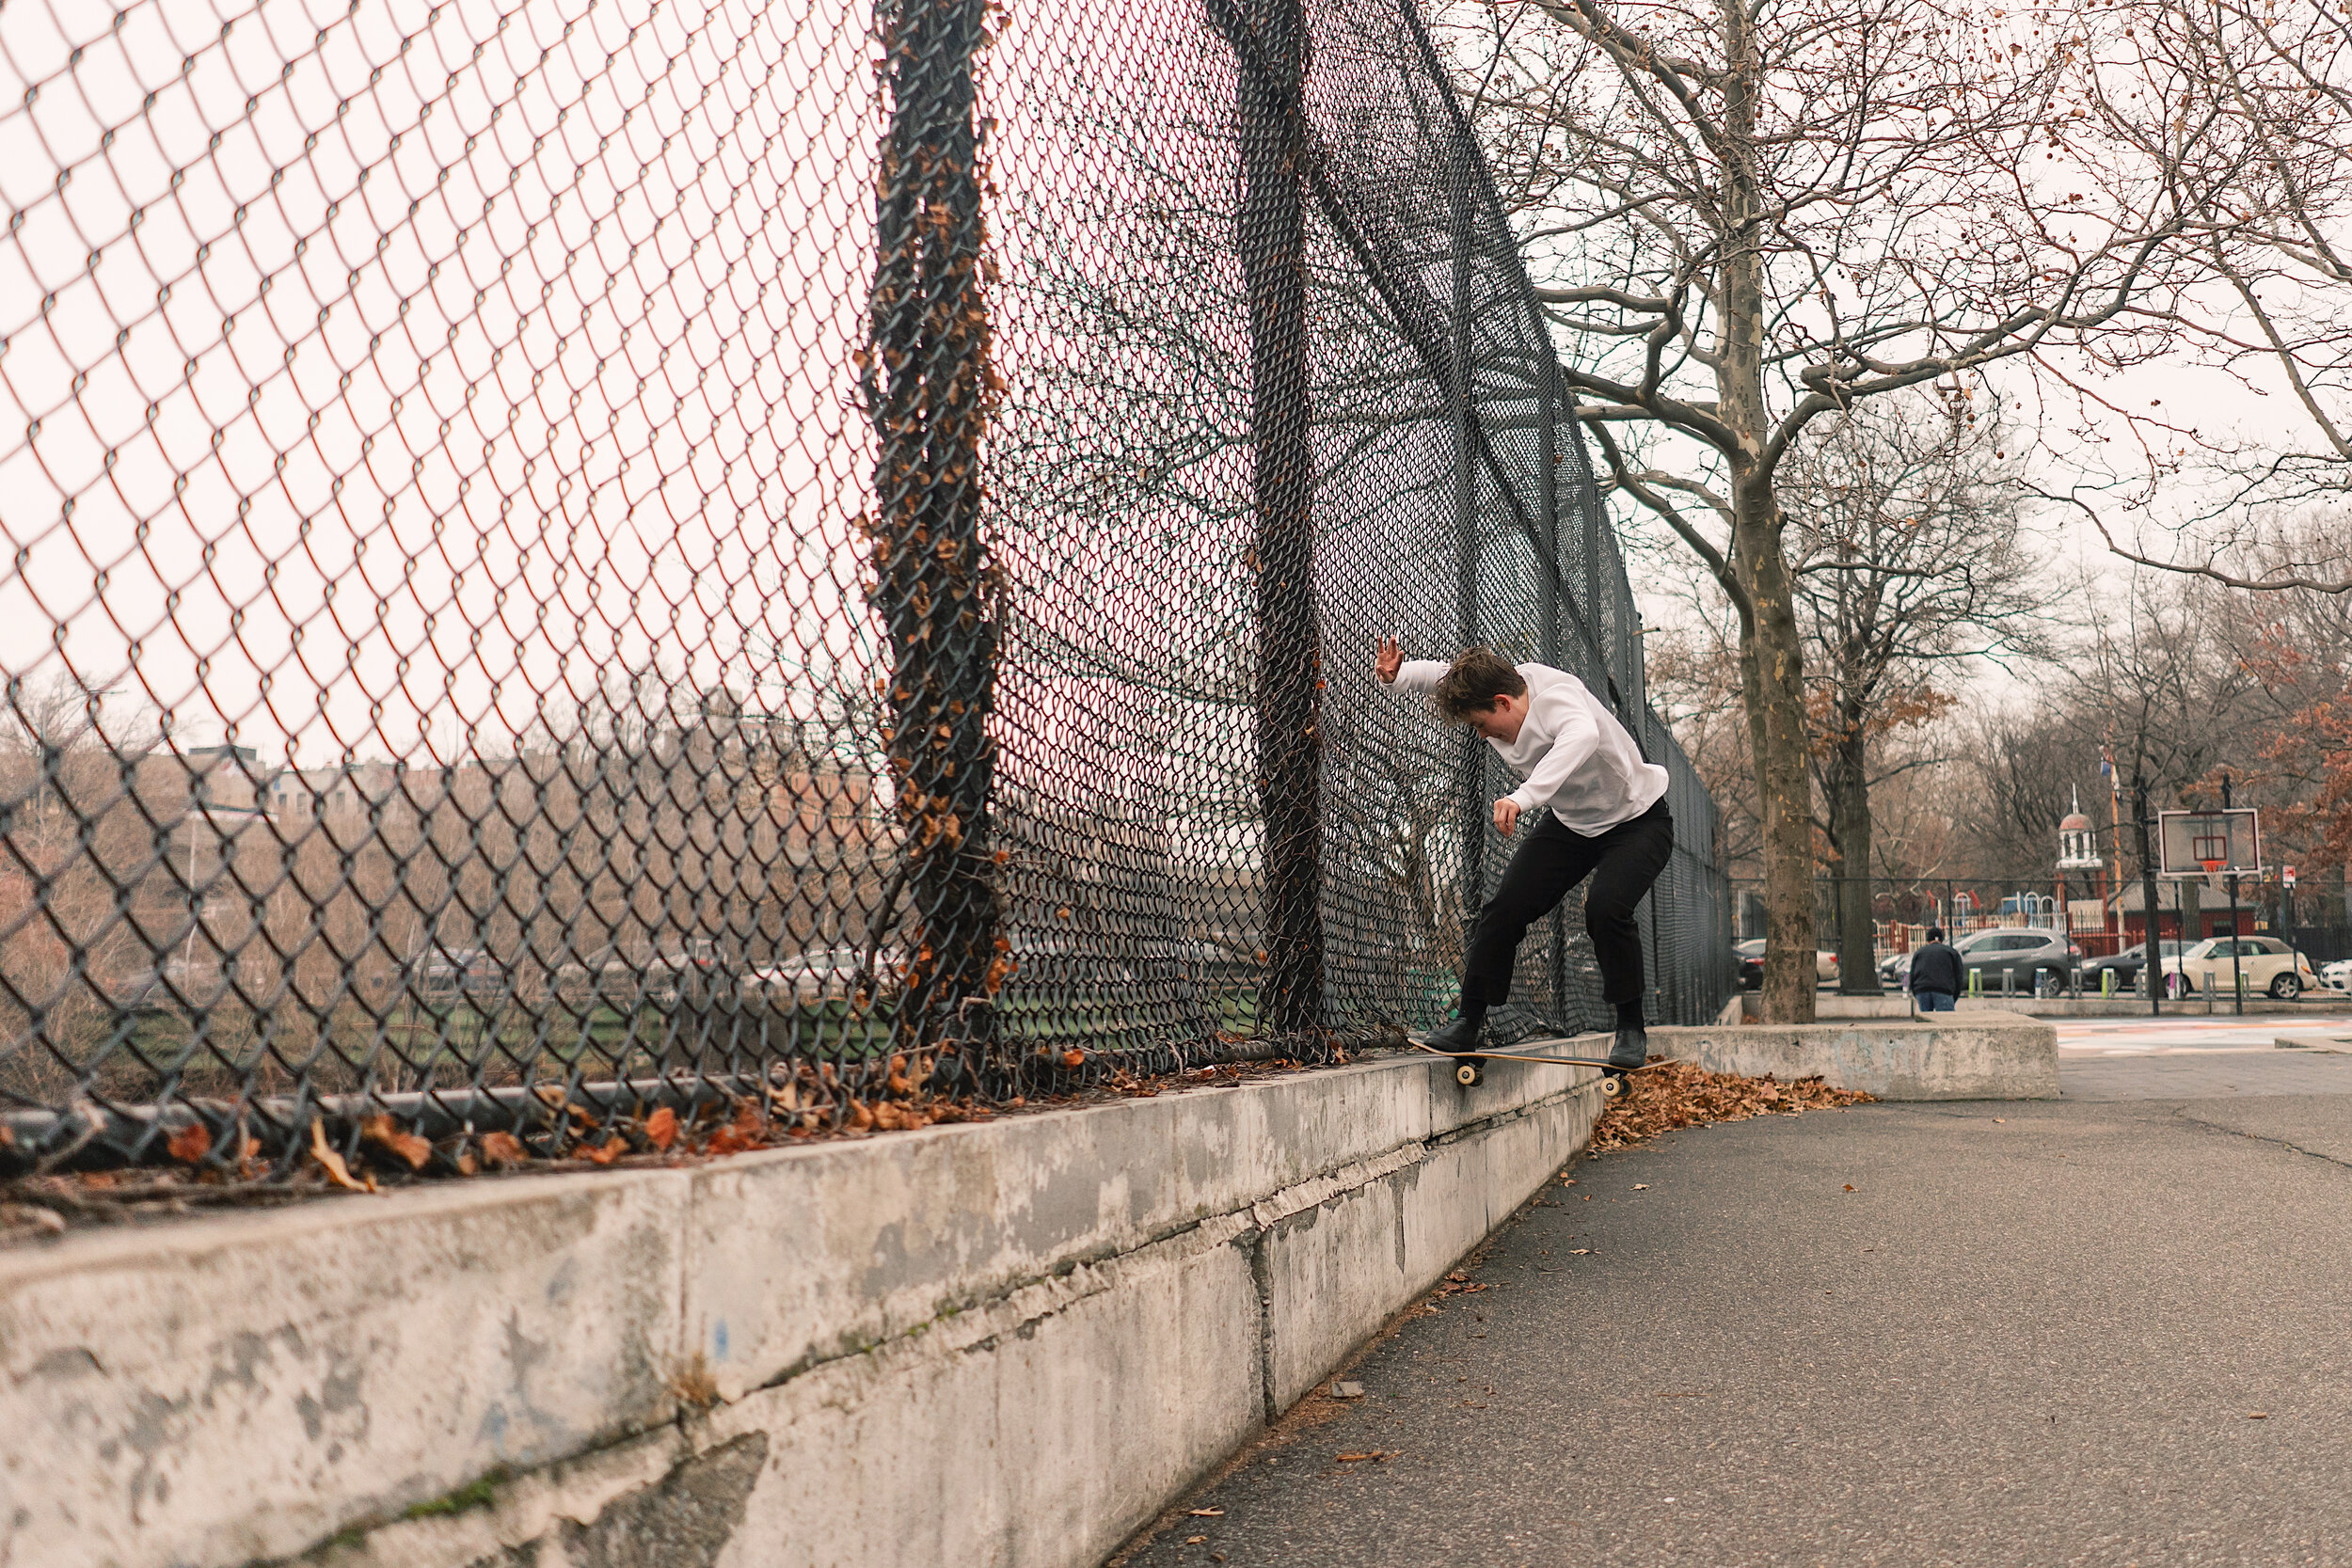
(1907, 561)
(2279, 319)
(1755, 215)
(2161, 690)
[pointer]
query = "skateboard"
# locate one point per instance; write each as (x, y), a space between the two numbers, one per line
(1467, 1072)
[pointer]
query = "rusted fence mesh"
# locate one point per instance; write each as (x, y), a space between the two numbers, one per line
(756, 559)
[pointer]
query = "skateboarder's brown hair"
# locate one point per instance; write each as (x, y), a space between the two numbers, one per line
(1472, 683)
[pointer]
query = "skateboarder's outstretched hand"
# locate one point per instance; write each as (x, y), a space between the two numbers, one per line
(1387, 655)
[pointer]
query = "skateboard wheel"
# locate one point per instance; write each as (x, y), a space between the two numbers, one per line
(1465, 1074)
(1611, 1087)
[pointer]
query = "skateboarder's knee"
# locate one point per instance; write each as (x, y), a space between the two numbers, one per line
(1609, 916)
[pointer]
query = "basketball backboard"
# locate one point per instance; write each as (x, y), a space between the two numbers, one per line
(2189, 842)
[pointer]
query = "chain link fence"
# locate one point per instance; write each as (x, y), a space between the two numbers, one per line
(585, 568)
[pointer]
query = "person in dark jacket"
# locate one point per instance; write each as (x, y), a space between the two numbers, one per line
(1935, 973)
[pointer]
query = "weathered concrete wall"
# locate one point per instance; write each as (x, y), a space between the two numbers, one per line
(1984, 1058)
(1004, 1343)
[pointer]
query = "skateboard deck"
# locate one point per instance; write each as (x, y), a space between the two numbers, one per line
(1467, 1072)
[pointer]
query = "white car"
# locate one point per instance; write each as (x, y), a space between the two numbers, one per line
(1824, 962)
(822, 974)
(2337, 976)
(2268, 965)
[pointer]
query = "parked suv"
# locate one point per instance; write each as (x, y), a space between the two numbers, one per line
(2041, 959)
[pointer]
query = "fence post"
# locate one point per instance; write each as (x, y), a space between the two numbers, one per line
(931, 388)
(2152, 956)
(1271, 234)
(1548, 498)
(1465, 607)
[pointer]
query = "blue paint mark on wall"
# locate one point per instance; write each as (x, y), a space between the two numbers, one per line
(719, 1341)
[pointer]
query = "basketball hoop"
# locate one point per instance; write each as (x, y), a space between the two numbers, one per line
(2213, 874)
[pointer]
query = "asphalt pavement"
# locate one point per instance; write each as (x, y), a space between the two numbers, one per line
(2098, 1330)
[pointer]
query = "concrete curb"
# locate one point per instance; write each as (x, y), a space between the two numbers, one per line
(1995, 1058)
(1008, 1342)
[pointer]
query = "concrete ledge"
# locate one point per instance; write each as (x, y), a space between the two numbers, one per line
(1008, 1342)
(1894, 1059)
(1896, 1004)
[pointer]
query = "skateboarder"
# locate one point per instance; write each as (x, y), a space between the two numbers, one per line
(1603, 814)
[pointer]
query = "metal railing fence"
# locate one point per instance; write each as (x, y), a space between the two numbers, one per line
(2102, 917)
(788, 561)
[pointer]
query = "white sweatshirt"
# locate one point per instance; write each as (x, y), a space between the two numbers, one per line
(1571, 751)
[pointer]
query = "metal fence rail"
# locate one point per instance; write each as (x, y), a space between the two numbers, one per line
(2102, 914)
(787, 561)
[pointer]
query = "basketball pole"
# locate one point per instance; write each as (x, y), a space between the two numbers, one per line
(2152, 960)
(2237, 965)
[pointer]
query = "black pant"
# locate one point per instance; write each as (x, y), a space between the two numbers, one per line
(1622, 863)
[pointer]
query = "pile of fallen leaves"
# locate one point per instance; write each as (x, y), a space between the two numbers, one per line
(1676, 1094)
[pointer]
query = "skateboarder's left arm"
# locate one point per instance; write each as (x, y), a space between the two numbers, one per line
(1409, 677)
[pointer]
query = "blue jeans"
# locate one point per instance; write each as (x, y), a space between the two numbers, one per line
(1935, 1001)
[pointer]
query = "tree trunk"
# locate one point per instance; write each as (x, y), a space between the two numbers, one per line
(1272, 238)
(932, 386)
(1849, 831)
(1771, 673)
(1772, 655)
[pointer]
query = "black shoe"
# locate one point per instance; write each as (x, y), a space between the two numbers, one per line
(1631, 1050)
(1456, 1038)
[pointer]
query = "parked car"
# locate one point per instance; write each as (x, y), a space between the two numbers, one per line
(1751, 956)
(823, 975)
(2125, 966)
(2337, 976)
(609, 977)
(2041, 959)
(2267, 964)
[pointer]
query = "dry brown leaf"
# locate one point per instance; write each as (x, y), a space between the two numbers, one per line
(612, 1149)
(191, 1143)
(1672, 1095)
(1368, 1454)
(661, 1129)
(332, 1163)
(504, 1148)
(385, 1135)
(860, 1117)
(735, 1137)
